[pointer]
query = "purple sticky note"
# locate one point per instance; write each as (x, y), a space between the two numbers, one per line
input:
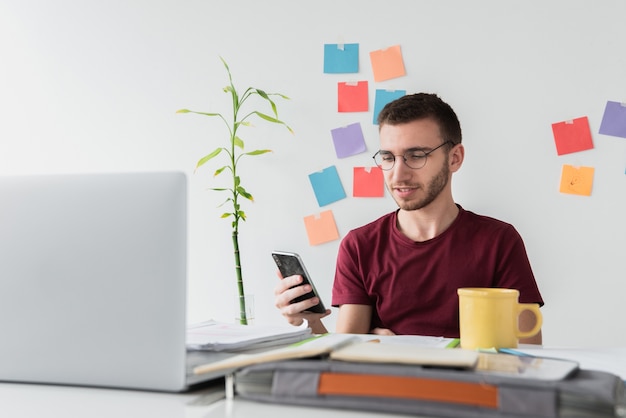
(614, 120)
(348, 140)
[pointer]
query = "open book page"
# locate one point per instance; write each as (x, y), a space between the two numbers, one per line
(413, 340)
(315, 346)
(393, 353)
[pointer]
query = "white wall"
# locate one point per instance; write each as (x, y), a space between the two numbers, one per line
(93, 86)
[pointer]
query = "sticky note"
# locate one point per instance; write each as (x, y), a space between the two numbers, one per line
(576, 180)
(327, 186)
(368, 182)
(614, 120)
(341, 58)
(352, 96)
(348, 140)
(382, 98)
(321, 228)
(387, 63)
(572, 136)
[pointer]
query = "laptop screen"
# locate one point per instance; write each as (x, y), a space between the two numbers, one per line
(93, 279)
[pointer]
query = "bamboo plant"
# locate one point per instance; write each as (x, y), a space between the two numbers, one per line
(233, 153)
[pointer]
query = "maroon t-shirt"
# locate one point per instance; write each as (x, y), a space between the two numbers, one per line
(412, 286)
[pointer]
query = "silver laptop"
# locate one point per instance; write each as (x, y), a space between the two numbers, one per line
(93, 281)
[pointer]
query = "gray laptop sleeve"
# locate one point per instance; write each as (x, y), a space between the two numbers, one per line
(443, 393)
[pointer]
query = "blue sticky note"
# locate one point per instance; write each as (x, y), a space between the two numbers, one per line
(382, 98)
(341, 58)
(614, 120)
(327, 186)
(348, 140)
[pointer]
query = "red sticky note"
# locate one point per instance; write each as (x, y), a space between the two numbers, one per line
(352, 96)
(572, 136)
(368, 182)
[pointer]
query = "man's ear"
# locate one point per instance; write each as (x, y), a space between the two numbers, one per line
(456, 157)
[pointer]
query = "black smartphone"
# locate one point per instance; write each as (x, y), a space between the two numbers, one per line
(290, 264)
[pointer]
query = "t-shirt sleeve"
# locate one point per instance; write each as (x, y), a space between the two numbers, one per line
(514, 270)
(348, 286)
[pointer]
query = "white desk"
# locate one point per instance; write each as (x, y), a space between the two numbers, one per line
(30, 401)
(34, 401)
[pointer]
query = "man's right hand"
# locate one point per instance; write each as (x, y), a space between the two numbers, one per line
(295, 314)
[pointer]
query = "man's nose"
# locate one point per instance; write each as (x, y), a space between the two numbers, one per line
(400, 170)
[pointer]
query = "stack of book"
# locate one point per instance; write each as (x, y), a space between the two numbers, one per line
(221, 336)
(419, 376)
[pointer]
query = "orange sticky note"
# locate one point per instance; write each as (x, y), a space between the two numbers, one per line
(387, 63)
(576, 180)
(321, 228)
(352, 96)
(368, 182)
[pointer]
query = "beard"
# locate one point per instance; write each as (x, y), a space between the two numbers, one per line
(432, 189)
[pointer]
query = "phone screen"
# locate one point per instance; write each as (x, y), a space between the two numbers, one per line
(290, 264)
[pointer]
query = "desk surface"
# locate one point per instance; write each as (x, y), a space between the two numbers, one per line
(31, 400)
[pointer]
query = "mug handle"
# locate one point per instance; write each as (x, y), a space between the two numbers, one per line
(539, 319)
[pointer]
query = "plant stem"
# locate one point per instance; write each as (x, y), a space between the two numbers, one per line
(242, 300)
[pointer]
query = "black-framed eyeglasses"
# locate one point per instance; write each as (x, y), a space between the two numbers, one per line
(413, 158)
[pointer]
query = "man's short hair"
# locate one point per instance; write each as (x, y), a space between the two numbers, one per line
(418, 106)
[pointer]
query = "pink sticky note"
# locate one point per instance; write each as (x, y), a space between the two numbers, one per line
(368, 182)
(572, 136)
(321, 228)
(387, 63)
(352, 96)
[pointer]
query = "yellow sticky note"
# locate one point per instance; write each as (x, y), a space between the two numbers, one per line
(577, 180)
(321, 228)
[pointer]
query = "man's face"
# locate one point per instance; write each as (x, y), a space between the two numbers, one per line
(414, 189)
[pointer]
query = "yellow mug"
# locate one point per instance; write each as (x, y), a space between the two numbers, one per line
(489, 317)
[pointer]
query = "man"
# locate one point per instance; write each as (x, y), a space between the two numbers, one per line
(400, 273)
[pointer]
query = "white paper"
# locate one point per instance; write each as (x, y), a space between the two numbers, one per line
(222, 336)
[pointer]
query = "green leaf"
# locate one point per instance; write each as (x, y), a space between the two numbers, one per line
(244, 193)
(207, 157)
(238, 142)
(273, 120)
(198, 113)
(282, 96)
(219, 170)
(267, 117)
(258, 152)
(224, 62)
(237, 181)
(226, 215)
(224, 202)
(266, 97)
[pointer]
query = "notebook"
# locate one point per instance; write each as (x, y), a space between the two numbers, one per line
(93, 281)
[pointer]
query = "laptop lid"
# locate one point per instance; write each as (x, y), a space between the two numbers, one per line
(93, 279)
